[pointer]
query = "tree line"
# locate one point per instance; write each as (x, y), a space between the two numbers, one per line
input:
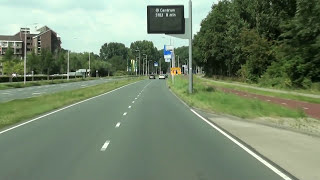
(271, 42)
(114, 59)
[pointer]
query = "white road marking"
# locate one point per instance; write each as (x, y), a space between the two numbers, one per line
(284, 103)
(274, 169)
(132, 102)
(268, 100)
(105, 145)
(118, 124)
(129, 107)
(305, 108)
(135, 98)
(53, 112)
(6, 93)
(36, 93)
(125, 113)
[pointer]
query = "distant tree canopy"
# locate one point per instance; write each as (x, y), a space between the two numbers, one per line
(267, 41)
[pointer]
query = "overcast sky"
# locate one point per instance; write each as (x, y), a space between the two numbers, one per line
(85, 25)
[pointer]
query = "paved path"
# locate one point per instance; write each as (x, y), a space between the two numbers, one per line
(311, 109)
(139, 132)
(28, 92)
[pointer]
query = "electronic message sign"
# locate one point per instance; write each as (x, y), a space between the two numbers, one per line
(165, 19)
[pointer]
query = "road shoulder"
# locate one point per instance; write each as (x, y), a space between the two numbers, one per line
(297, 153)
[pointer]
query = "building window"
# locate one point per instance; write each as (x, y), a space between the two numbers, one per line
(28, 49)
(28, 38)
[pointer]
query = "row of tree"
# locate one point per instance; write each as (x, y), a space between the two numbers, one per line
(114, 59)
(267, 41)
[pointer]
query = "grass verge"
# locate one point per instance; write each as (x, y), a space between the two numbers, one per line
(208, 98)
(18, 110)
(11, 85)
(265, 93)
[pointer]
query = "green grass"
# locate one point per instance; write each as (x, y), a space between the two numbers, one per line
(4, 86)
(208, 98)
(265, 93)
(18, 110)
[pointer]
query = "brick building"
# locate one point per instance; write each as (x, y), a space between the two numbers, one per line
(45, 38)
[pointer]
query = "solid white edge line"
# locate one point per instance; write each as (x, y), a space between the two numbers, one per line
(105, 145)
(27, 122)
(274, 169)
(118, 124)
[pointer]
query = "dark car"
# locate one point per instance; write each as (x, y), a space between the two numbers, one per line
(151, 76)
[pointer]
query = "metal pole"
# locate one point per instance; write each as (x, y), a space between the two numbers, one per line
(190, 49)
(146, 65)
(160, 66)
(139, 63)
(68, 70)
(25, 56)
(178, 61)
(89, 66)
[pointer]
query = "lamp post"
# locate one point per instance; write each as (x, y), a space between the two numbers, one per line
(89, 65)
(68, 64)
(25, 54)
(137, 50)
(146, 62)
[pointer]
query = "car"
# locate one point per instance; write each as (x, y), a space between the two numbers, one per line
(162, 76)
(151, 76)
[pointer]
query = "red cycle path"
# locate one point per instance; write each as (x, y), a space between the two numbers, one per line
(311, 109)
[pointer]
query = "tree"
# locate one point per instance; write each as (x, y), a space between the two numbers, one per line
(107, 51)
(11, 64)
(46, 62)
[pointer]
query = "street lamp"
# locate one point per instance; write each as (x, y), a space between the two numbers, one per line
(68, 64)
(25, 54)
(137, 50)
(146, 62)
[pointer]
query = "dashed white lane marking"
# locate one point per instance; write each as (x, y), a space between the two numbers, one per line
(105, 145)
(305, 108)
(118, 124)
(135, 98)
(36, 93)
(129, 107)
(284, 103)
(132, 102)
(274, 169)
(125, 113)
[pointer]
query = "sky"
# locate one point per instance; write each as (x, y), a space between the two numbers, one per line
(85, 25)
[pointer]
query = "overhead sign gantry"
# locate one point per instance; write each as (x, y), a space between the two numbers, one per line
(170, 20)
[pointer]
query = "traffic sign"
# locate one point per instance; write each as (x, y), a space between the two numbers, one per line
(156, 64)
(166, 19)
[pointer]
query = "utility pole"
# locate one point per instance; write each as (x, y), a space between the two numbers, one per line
(190, 49)
(25, 57)
(89, 66)
(68, 70)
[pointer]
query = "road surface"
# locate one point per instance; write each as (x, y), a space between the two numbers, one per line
(28, 92)
(139, 132)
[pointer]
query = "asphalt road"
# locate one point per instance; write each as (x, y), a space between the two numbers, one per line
(28, 92)
(138, 132)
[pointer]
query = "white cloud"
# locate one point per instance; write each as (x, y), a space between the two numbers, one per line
(93, 23)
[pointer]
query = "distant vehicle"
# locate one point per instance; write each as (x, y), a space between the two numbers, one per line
(151, 76)
(162, 76)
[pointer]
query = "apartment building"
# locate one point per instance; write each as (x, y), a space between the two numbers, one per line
(44, 38)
